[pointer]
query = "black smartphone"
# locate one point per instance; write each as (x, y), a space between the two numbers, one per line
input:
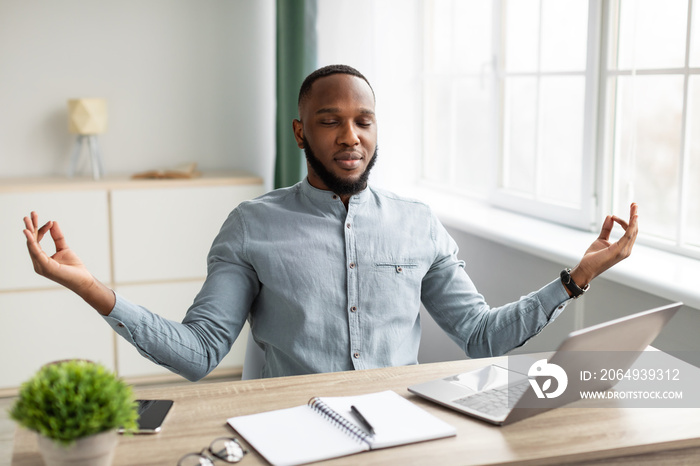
(151, 415)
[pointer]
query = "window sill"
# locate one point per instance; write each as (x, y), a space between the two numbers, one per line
(653, 271)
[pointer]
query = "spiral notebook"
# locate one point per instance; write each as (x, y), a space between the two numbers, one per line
(327, 428)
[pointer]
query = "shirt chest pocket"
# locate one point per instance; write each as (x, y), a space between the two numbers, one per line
(401, 267)
(395, 283)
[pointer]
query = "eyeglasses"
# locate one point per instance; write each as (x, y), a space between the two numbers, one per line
(224, 448)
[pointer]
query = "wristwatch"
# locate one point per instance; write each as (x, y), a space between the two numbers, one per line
(576, 291)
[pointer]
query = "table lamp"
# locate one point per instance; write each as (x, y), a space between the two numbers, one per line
(87, 118)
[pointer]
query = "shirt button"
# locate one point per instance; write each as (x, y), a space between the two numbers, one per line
(356, 355)
(353, 309)
(399, 269)
(335, 196)
(120, 325)
(352, 265)
(348, 225)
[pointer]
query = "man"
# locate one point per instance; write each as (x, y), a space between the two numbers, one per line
(330, 272)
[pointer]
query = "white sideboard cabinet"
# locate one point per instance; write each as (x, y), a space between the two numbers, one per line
(147, 239)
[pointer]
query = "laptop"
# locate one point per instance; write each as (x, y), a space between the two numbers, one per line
(502, 395)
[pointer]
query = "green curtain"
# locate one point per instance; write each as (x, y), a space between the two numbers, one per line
(296, 58)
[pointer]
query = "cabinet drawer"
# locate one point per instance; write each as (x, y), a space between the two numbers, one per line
(44, 326)
(166, 233)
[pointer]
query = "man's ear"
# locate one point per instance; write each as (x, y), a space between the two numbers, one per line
(298, 128)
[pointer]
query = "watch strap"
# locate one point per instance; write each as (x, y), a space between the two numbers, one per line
(575, 290)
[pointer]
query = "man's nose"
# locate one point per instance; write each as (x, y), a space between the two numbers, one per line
(348, 135)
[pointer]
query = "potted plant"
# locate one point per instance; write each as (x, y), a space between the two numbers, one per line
(76, 406)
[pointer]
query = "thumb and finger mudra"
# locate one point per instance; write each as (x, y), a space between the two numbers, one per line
(627, 240)
(40, 259)
(622, 248)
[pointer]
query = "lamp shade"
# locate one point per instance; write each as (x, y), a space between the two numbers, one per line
(87, 116)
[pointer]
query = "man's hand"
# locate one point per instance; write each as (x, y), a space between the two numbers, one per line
(65, 267)
(602, 254)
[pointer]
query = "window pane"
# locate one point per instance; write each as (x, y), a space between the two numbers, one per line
(519, 134)
(438, 131)
(695, 37)
(439, 57)
(692, 233)
(522, 23)
(472, 38)
(459, 99)
(652, 34)
(562, 108)
(564, 33)
(647, 149)
(474, 142)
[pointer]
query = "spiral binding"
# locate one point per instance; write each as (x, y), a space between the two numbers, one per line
(346, 426)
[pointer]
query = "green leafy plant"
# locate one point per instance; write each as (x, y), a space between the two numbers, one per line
(72, 399)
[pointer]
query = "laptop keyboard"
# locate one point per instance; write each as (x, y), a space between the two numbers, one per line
(494, 402)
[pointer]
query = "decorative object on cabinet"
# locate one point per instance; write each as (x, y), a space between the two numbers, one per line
(186, 170)
(87, 118)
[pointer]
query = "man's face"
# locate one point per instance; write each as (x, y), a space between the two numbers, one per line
(338, 131)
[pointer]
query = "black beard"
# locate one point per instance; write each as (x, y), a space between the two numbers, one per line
(334, 183)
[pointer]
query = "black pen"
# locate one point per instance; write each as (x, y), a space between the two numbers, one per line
(362, 419)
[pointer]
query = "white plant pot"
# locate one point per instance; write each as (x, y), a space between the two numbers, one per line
(95, 450)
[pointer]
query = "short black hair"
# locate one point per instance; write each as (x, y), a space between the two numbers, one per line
(305, 89)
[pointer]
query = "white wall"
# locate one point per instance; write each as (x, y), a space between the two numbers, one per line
(185, 81)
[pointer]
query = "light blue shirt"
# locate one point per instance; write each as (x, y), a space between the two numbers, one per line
(328, 289)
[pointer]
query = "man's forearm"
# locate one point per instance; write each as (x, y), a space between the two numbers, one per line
(99, 296)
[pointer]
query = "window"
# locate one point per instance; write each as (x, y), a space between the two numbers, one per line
(508, 87)
(568, 109)
(459, 96)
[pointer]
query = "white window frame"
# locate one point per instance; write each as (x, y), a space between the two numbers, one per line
(585, 216)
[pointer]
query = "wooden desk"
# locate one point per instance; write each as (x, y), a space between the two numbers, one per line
(565, 435)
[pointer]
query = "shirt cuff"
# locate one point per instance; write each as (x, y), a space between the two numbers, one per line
(554, 298)
(124, 318)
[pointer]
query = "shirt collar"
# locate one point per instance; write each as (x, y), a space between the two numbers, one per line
(320, 195)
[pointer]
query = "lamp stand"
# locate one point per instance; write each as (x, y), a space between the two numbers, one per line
(94, 152)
